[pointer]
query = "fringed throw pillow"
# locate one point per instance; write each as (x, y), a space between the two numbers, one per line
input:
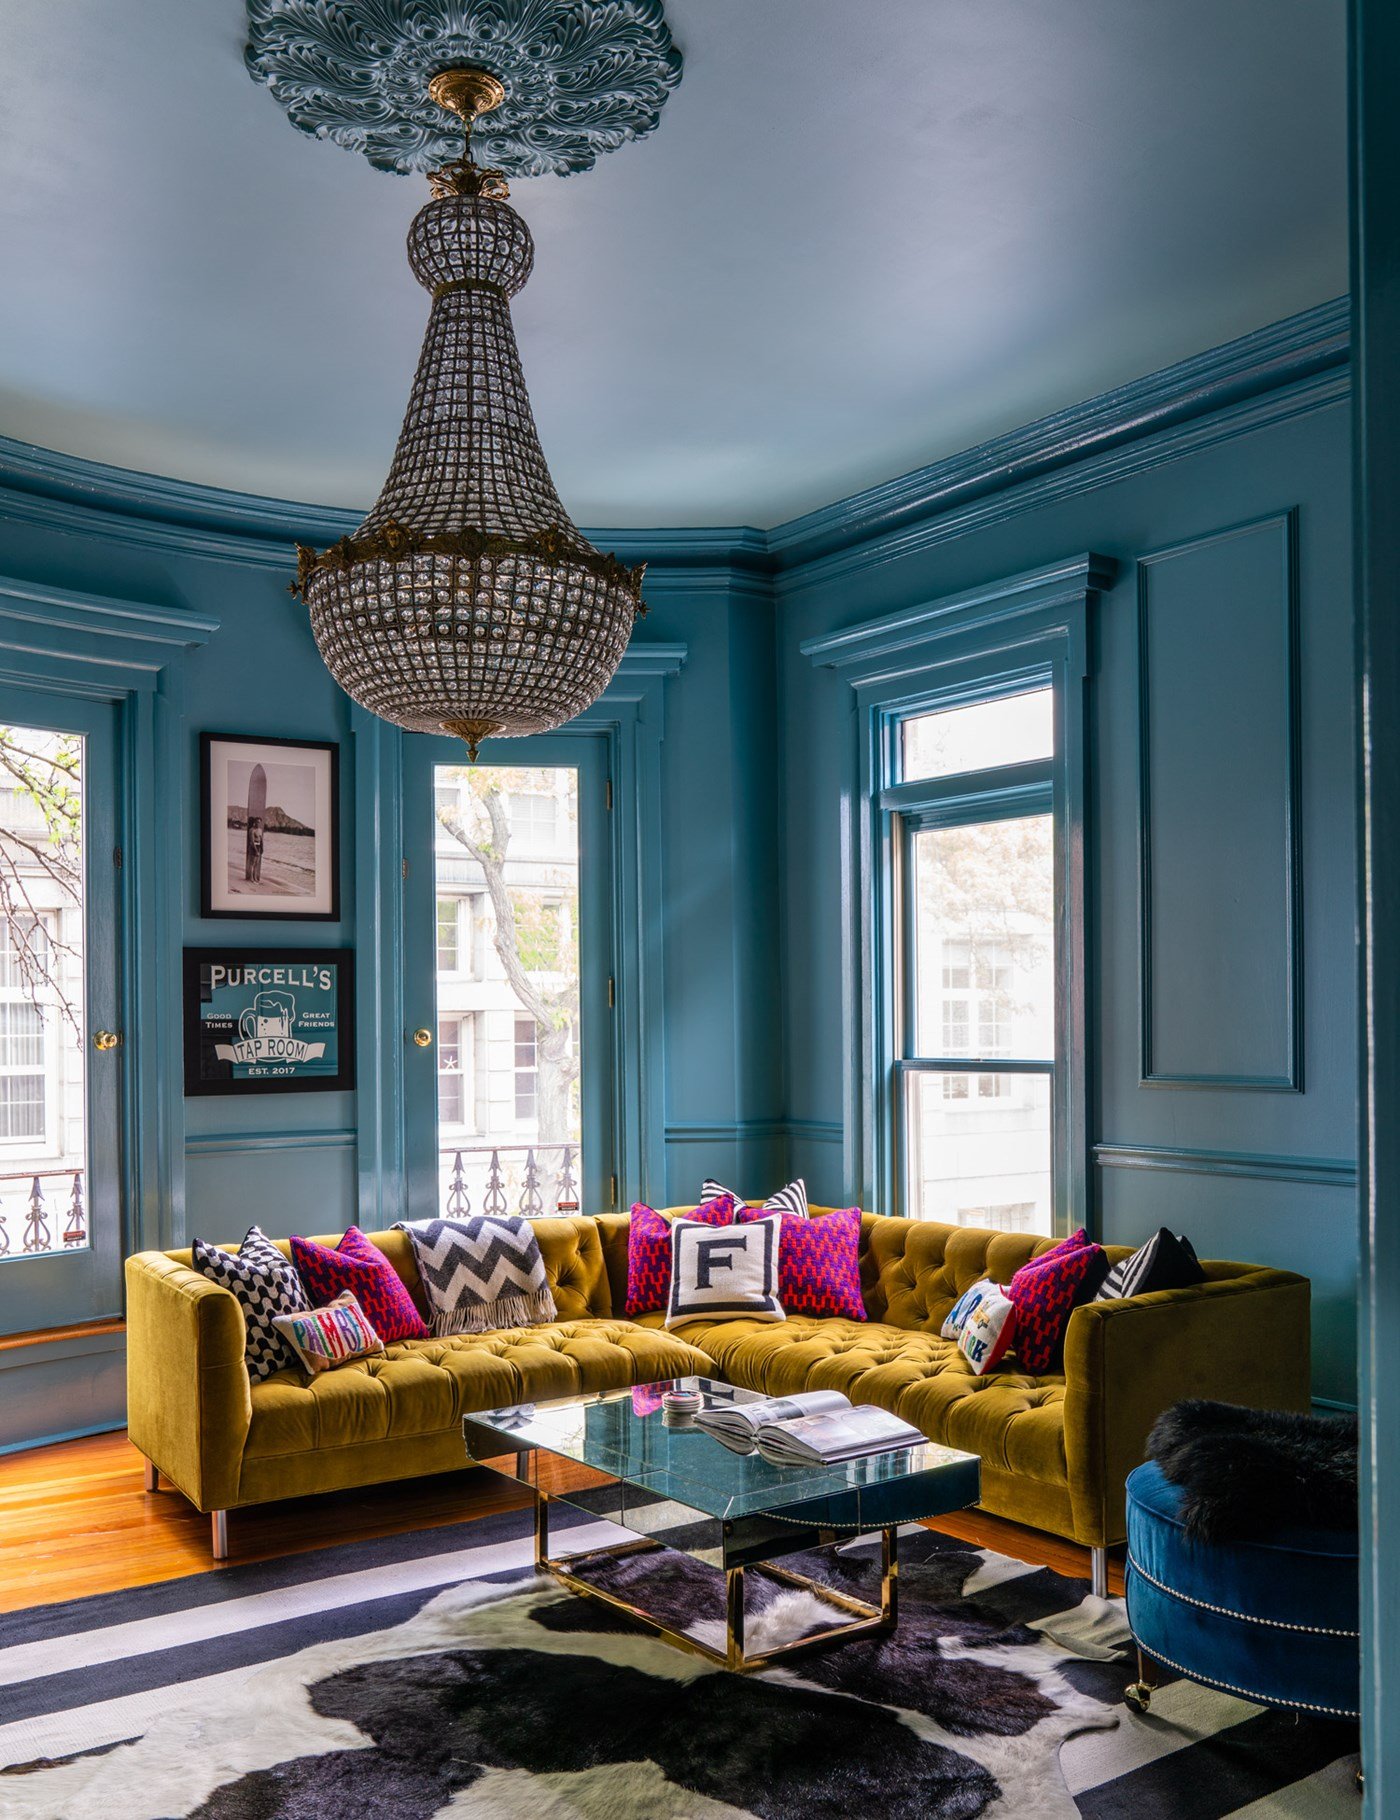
(481, 1273)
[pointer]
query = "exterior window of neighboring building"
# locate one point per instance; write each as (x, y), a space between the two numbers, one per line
(526, 1068)
(534, 820)
(455, 1072)
(25, 1060)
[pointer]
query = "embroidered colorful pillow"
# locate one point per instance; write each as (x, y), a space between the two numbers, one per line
(965, 1307)
(1045, 1292)
(266, 1285)
(989, 1330)
(818, 1263)
(323, 1338)
(792, 1199)
(649, 1251)
(357, 1265)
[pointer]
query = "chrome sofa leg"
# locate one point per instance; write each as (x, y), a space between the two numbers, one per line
(1098, 1572)
(219, 1521)
(152, 1477)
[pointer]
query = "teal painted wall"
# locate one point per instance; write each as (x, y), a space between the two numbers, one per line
(756, 769)
(1247, 1172)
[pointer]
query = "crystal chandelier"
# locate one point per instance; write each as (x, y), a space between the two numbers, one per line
(468, 602)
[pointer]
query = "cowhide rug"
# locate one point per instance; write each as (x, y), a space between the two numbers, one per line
(508, 1697)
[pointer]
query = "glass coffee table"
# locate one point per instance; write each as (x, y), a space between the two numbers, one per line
(672, 1485)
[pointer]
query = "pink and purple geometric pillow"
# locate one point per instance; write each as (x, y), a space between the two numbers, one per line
(358, 1265)
(649, 1251)
(818, 1263)
(1045, 1292)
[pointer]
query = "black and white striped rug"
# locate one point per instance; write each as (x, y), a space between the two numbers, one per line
(427, 1675)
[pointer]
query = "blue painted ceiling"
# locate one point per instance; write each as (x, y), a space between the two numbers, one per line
(867, 233)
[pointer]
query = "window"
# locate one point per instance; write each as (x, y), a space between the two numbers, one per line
(526, 1068)
(534, 819)
(24, 1038)
(1009, 730)
(973, 855)
(449, 935)
(456, 1083)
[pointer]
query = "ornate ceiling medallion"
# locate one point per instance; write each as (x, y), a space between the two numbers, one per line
(581, 77)
(469, 602)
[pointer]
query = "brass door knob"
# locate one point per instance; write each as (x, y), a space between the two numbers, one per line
(106, 1039)
(423, 1037)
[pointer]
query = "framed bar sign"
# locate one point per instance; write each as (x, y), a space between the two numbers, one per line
(269, 1020)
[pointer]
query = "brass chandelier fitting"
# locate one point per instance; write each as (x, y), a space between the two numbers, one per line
(468, 602)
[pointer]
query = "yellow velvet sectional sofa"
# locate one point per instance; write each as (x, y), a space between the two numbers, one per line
(1055, 1448)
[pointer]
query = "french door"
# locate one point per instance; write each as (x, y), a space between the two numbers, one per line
(509, 1043)
(61, 1242)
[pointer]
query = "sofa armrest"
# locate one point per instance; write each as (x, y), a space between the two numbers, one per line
(189, 1401)
(1241, 1337)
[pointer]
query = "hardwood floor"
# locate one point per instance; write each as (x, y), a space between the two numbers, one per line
(75, 1519)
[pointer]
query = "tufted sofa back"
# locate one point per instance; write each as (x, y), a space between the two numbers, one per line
(571, 1248)
(911, 1271)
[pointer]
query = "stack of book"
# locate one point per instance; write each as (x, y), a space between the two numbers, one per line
(813, 1428)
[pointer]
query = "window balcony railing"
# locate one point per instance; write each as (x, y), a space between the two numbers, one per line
(497, 1179)
(30, 1224)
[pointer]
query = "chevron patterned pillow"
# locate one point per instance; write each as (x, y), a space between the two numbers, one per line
(266, 1285)
(481, 1273)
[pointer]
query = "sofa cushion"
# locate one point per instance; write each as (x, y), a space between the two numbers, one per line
(1013, 1419)
(420, 1386)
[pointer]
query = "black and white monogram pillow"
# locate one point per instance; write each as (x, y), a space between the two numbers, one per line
(266, 1285)
(724, 1273)
(792, 1199)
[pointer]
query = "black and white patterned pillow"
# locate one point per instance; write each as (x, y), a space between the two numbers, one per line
(266, 1285)
(792, 1199)
(1167, 1261)
(724, 1273)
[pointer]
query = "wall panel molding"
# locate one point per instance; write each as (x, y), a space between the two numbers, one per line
(235, 1143)
(1218, 622)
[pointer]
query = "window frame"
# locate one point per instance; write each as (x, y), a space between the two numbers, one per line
(998, 637)
(960, 799)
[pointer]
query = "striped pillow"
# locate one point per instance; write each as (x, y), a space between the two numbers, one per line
(1167, 1261)
(792, 1199)
(325, 1337)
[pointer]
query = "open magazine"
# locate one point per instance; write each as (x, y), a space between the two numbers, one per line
(815, 1427)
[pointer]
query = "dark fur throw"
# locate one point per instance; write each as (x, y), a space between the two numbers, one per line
(1245, 1472)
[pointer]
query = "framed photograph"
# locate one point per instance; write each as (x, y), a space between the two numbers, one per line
(270, 833)
(269, 1020)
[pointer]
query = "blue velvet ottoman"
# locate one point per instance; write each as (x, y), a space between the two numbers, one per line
(1274, 1619)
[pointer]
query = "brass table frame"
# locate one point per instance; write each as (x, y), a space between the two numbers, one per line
(869, 1619)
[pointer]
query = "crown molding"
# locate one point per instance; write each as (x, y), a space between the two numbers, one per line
(1286, 370)
(1280, 371)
